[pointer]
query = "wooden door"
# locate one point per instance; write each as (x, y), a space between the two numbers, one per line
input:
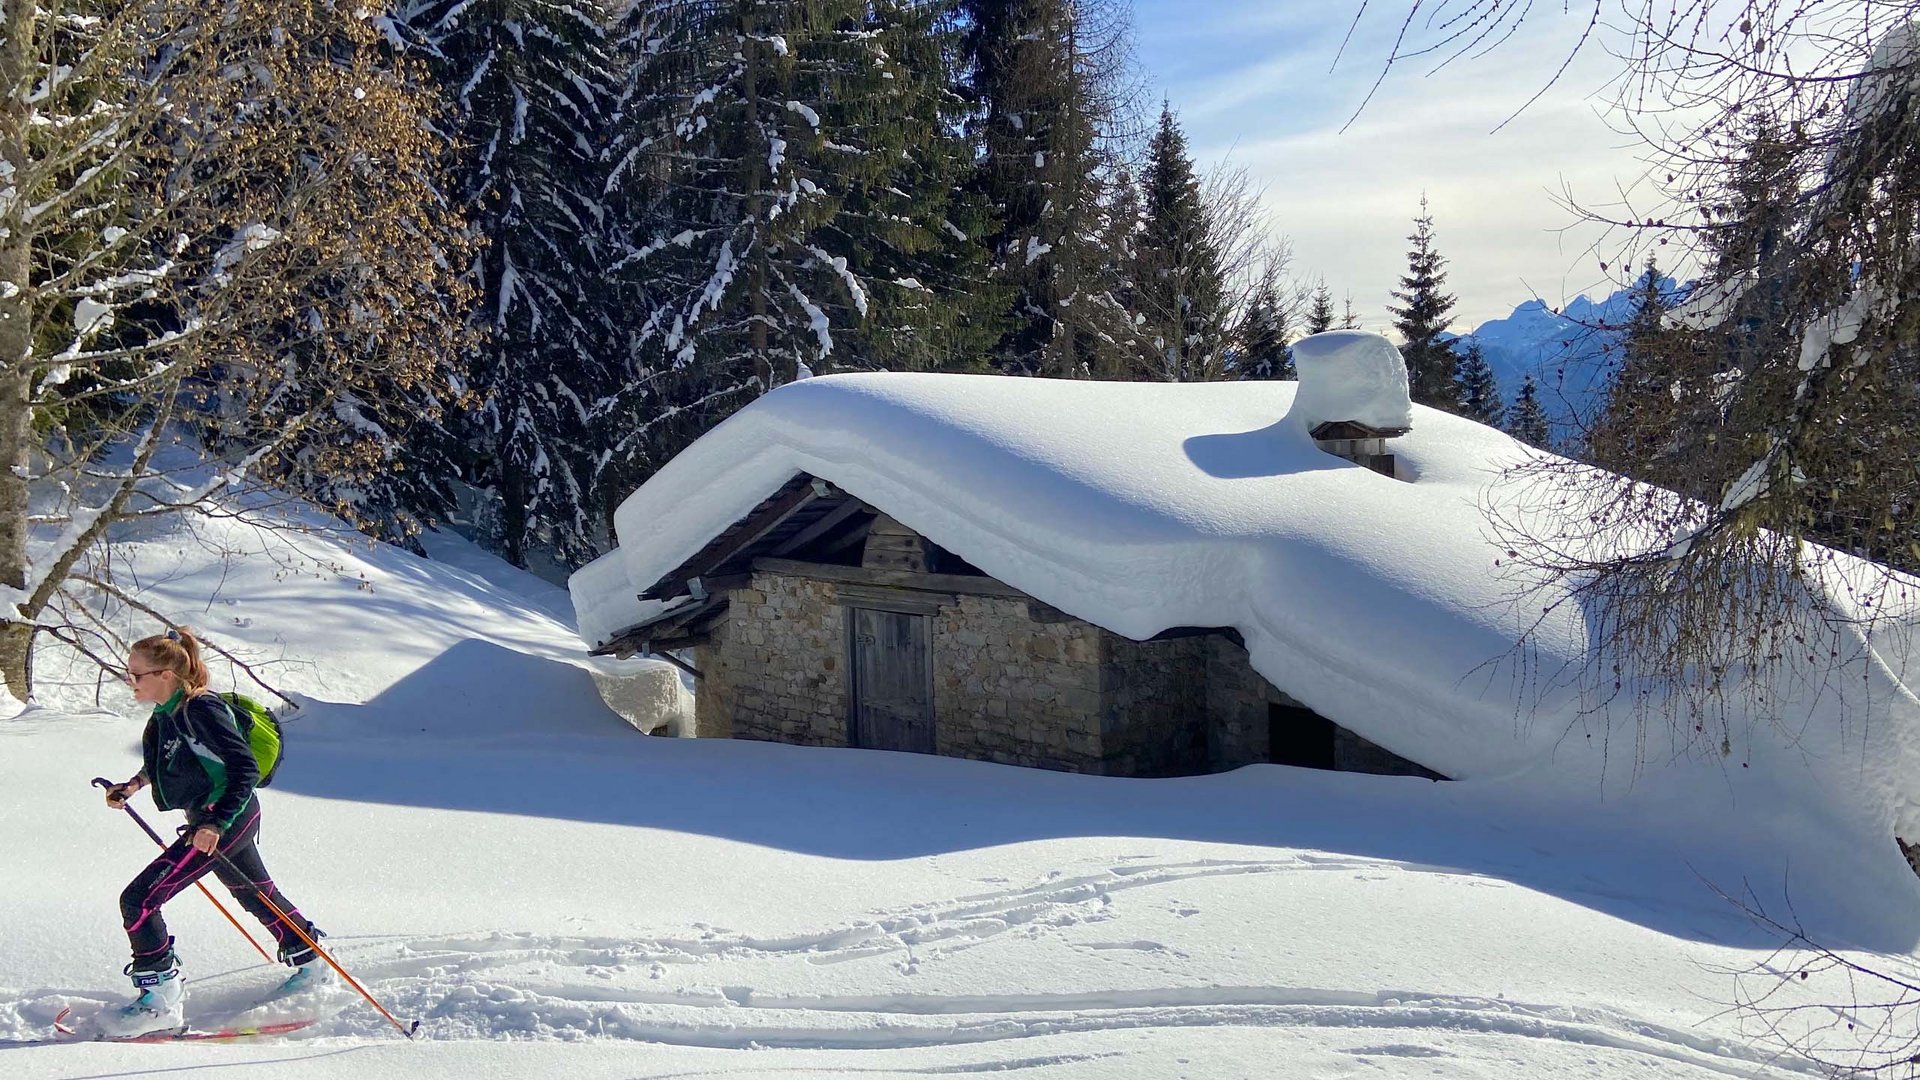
(891, 666)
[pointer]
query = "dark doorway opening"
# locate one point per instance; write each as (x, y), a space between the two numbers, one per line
(1297, 736)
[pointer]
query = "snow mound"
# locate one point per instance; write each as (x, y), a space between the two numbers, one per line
(1351, 375)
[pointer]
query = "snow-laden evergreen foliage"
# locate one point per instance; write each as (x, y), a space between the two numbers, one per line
(1263, 351)
(1048, 83)
(787, 177)
(532, 83)
(1178, 283)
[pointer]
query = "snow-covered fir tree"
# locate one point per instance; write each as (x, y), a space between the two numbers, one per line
(1422, 315)
(1178, 283)
(532, 83)
(1480, 397)
(1526, 420)
(1262, 350)
(787, 177)
(1051, 87)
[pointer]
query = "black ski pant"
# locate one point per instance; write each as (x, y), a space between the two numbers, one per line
(181, 865)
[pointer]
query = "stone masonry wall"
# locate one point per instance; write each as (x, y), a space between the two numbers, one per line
(1012, 689)
(713, 694)
(782, 662)
(1153, 716)
(1014, 682)
(1237, 699)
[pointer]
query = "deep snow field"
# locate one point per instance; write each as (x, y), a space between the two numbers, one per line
(493, 851)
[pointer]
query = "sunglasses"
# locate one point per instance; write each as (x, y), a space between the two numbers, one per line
(135, 676)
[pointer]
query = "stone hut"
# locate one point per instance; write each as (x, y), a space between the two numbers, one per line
(818, 619)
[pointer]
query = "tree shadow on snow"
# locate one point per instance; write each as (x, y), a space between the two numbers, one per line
(484, 728)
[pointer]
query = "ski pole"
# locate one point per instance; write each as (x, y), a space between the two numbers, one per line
(103, 782)
(405, 1029)
(287, 921)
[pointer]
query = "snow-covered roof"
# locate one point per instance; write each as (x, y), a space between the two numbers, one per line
(1384, 604)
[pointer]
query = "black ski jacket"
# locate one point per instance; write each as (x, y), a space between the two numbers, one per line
(197, 760)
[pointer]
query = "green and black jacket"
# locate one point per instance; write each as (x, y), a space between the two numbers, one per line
(197, 760)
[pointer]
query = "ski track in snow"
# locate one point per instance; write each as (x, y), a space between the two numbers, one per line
(506, 985)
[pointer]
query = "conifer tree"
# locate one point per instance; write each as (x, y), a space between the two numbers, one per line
(1263, 351)
(1178, 283)
(1479, 391)
(1052, 88)
(1641, 421)
(785, 175)
(1320, 315)
(1421, 317)
(532, 83)
(1527, 421)
(1349, 318)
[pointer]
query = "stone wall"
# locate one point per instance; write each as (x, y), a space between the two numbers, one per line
(1352, 753)
(1013, 682)
(1013, 689)
(1153, 698)
(782, 656)
(713, 694)
(1237, 700)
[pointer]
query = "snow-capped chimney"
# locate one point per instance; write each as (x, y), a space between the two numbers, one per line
(1352, 396)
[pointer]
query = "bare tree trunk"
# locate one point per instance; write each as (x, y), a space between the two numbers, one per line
(16, 345)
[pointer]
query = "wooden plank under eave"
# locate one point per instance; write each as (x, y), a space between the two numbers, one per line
(761, 520)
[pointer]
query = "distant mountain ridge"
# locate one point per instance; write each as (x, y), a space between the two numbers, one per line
(1571, 353)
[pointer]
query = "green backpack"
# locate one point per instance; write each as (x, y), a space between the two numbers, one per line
(261, 730)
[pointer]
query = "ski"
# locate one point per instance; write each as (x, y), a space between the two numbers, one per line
(192, 1034)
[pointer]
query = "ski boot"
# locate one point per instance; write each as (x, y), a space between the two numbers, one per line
(160, 1006)
(309, 971)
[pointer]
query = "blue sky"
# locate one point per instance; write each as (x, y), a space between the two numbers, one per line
(1252, 84)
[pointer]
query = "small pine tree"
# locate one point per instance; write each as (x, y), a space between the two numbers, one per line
(1349, 318)
(1480, 389)
(1634, 433)
(1527, 421)
(1320, 316)
(1422, 317)
(1263, 339)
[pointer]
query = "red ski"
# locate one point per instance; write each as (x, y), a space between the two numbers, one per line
(249, 1031)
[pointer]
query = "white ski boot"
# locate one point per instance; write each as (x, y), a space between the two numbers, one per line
(306, 978)
(161, 1005)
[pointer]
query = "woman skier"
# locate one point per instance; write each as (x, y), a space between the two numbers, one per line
(195, 759)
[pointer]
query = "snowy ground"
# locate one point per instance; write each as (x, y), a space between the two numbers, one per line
(493, 851)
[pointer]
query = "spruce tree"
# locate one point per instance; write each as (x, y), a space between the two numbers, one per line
(1051, 87)
(1479, 390)
(1263, 351)
(1527, 421)
(1178, 282)
(785, 176)
(1422, 317)
(1320, 315)
(532, 84)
